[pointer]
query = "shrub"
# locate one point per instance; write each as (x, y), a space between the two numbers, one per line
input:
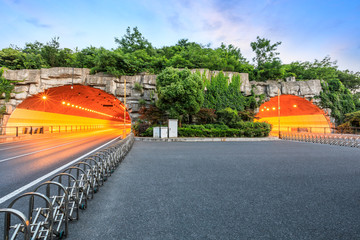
(140, 127)
(205, 116)
(147, 133)
(227, 116)
(244, 129)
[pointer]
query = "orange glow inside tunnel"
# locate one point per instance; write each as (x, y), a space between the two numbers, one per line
(293, 113)
(68, 106)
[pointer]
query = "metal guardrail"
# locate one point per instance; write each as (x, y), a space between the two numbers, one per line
(332, 139)
(56, 202)
(324, 130)
(31, 130)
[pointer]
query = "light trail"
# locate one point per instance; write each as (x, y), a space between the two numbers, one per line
(33, 183)
(42, 150)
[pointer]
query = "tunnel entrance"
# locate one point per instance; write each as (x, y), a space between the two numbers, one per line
(293, 114)
(68, 107)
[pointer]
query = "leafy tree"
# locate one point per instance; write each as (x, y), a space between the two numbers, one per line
(350, 79)
(268, 64)
(324, 69)
(221, 94)
(265, 52)
(11, 58)
(133, 41)
(180, 92)
(50, 52)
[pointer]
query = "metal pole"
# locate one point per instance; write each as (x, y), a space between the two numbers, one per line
(279, 111)
(124, 130)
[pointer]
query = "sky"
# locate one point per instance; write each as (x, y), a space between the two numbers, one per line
(308, 29)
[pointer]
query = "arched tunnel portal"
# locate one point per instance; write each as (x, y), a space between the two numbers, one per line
(293, 114)
(75, 106)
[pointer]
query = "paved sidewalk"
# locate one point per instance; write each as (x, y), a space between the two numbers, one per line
(228, 190)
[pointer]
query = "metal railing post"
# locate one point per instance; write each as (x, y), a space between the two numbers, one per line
(17, 131)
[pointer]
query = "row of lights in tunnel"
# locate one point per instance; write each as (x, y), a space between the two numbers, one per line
(44, 97)
(274, 108)
(87, 109)
(82, 108)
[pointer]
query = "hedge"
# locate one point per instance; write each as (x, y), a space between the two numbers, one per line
(244, 129)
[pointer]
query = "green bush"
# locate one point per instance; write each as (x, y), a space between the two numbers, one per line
(244, 129)
(227, 116)
(148, 132)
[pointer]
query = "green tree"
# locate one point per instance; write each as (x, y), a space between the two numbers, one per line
(221, 94)
(265, 52)
(268, 65)
(11, 58)
(133, 41)
(180, 92)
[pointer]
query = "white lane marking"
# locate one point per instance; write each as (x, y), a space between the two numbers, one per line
(29, 185)
(45, 149)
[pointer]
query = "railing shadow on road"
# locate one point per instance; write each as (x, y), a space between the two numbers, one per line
(45, 213)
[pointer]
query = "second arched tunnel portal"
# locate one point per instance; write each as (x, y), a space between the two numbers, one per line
(291, 113)
(71, 105)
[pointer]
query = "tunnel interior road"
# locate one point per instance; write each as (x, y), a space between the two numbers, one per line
(294, 114)
(71, 105)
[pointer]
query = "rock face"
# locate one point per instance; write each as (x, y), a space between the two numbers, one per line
(306, 89)
(140, 89)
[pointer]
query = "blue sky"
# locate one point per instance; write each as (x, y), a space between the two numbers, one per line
(308, 29)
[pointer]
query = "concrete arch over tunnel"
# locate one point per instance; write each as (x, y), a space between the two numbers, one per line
(294, 114)
(70, 105)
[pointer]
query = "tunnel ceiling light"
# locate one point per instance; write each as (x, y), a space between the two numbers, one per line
(87, 109)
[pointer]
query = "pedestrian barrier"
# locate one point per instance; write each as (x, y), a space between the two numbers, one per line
(332, 139)
(56, 202)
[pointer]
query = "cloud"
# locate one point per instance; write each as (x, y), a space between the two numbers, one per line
(37, 23)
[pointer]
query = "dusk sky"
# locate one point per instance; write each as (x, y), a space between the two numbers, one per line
(308, 29)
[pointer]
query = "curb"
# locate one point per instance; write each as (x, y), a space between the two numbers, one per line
(225, 139)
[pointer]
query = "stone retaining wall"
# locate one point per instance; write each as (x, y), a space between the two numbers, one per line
(36, 81)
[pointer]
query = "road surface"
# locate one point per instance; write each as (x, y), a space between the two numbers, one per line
(228, 190)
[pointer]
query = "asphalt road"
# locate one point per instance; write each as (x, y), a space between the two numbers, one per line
(23, 162)
(228, 190)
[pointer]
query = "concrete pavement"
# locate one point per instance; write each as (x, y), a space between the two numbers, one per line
(228, 190)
